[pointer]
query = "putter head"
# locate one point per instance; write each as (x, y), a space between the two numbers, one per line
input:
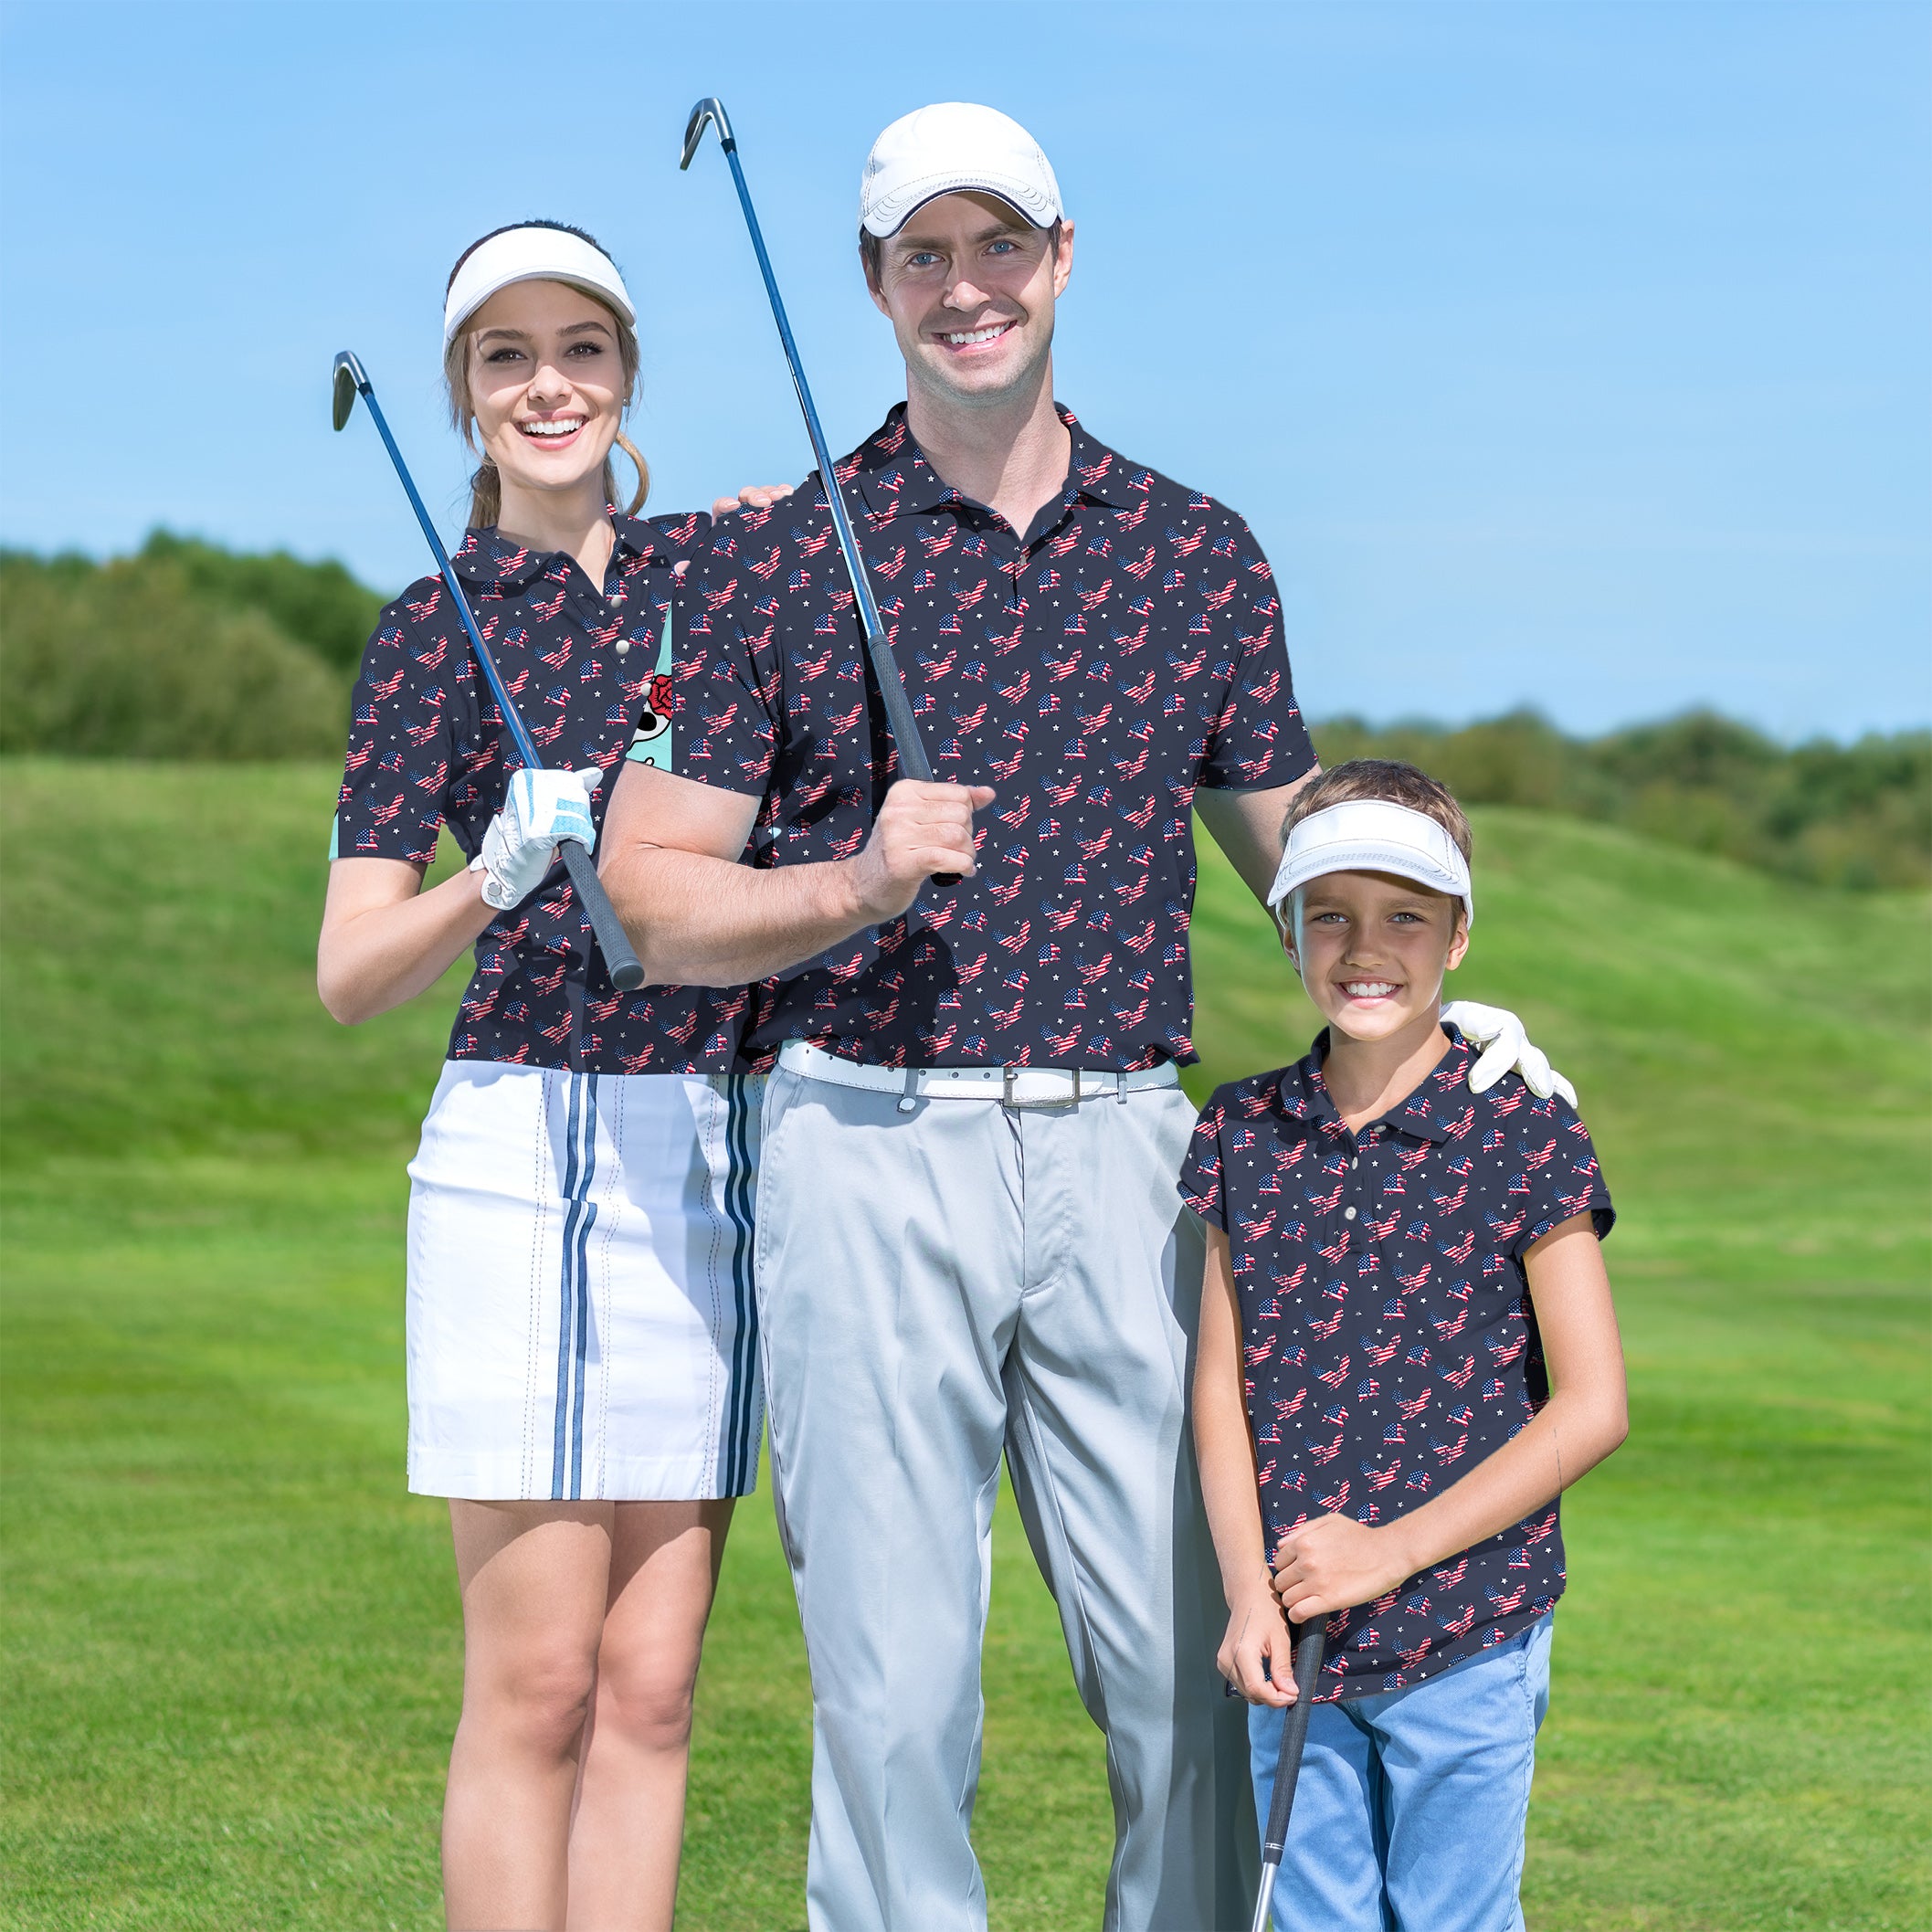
(710, 108)
(349, 378)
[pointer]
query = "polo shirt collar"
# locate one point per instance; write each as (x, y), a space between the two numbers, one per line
(490, 561)
(1438, 1109)
(895, 479)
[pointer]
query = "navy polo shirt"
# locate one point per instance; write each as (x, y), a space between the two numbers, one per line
(427, 748)
(1095, 671)
(1390, 1341)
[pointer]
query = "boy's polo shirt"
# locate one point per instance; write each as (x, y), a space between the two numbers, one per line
(1390, 1342)
(427, 748)
(1095, 671)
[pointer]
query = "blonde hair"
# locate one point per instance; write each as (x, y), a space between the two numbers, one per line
(486, 486)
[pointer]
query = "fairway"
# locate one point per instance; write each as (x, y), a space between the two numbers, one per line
(231, 1644)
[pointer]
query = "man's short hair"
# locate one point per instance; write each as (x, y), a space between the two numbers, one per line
(1385, 778)
(871, 249)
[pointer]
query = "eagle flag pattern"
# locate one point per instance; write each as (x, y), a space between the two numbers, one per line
(1095, 671)
(1390, 1344)
(427, 748)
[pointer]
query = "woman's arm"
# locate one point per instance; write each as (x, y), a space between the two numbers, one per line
(1256, 1636)
(385, 940)
(1333, 1562)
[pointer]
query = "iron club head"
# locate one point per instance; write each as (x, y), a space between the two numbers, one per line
(710, 108)
(349, 378)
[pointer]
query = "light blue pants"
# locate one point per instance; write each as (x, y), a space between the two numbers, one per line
(1408, 1815)
(938, 1286)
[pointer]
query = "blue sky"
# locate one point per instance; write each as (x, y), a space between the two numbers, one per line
(1571, 355)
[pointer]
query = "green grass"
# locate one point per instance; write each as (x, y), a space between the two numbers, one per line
(231, 1652)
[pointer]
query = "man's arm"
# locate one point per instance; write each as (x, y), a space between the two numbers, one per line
(669, 853)
(1247, 826)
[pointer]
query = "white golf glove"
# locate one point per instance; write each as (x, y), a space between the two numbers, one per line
(1506, 1048)
(543, 810)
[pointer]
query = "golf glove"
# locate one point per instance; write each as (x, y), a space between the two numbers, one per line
(543, 810)
(1506, 1047)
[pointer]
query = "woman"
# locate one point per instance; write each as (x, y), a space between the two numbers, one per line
(582, 1346)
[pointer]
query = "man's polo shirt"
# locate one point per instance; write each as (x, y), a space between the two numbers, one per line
(1124, 651)
(1390, 1341)
(427, 748)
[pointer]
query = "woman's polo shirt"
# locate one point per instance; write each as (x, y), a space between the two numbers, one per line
(1389, 1340)
(427, 748)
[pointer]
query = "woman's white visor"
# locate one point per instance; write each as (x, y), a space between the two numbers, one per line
(533, 255)
(1373, 835)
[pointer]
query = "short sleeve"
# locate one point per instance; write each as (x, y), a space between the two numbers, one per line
(401, 747)
(726, 671)
(1257, 739)
(1203, 1176)
(1555, 1174)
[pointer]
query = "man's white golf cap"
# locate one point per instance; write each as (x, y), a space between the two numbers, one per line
(954, 148)
(1373, 835)
(534, 253)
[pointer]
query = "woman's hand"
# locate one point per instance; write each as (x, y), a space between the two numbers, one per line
(1333, 1563)
(1256, 1642)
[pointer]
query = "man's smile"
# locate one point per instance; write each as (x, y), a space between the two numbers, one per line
(975, 338)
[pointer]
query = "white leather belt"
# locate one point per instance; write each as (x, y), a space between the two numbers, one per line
(1011, 1086)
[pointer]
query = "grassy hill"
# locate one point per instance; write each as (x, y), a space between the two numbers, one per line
(231, 1650)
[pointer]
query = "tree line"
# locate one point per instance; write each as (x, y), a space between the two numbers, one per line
(188, 651)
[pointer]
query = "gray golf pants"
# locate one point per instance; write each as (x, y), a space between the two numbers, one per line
(935, 1286)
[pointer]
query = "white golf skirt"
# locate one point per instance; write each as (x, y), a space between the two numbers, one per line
(581, 1323)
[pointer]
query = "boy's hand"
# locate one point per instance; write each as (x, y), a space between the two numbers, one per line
(1257, 1641)
(1333, 1564)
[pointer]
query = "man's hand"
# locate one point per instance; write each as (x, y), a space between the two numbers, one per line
(1257, 1641)
(754, 496)
(1333, 1564)
(923, 829)
(1506, 1046)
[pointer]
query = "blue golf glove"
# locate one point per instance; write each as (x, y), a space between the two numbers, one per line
(542, 810)
(1506, 1048)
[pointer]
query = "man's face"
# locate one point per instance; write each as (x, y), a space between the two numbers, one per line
(969, 285)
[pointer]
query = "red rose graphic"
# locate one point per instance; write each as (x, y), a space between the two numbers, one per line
(660, 694)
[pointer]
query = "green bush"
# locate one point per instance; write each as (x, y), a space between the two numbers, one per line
(128, 659)
(318, 605)
(1851, 815)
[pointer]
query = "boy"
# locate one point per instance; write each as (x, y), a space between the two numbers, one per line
(1406, 1352)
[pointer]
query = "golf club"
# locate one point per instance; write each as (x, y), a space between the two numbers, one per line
(1288, 1765)
(913, 760)
(626, 972)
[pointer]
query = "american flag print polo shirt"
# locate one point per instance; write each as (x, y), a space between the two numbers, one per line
(1096, 671)
(1389, 1340)
(427, 748)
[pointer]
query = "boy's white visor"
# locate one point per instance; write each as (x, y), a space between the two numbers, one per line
(1373, 835)
(533, 255)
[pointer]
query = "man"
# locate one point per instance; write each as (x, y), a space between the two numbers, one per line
(968, 1232)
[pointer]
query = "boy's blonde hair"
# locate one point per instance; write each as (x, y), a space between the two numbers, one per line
(1385, 778)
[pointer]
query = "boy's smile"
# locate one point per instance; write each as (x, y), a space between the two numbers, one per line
(1372, 949)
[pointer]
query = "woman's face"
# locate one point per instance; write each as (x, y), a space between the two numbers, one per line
(546, 382)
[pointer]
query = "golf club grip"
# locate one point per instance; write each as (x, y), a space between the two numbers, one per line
(1295, 1734)
(626, 971)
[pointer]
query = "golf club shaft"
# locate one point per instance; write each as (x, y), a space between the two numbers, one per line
(913, 759)
(1288, 1763)
(619, 955)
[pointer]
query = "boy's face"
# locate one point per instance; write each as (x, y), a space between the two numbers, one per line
(1372, 949)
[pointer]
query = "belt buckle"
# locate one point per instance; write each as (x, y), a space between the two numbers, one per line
(1006, 1099)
